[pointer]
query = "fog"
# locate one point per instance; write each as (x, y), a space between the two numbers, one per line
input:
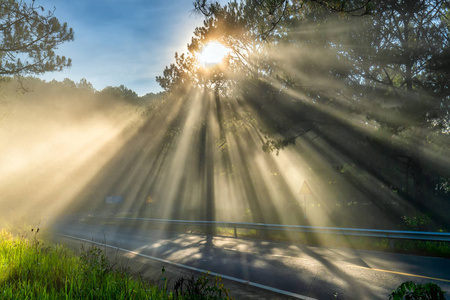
(54, 140)
(237, 142)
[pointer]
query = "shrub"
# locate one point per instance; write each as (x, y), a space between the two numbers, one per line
(413, 291)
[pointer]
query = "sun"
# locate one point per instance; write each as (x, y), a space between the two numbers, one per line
(213, 53)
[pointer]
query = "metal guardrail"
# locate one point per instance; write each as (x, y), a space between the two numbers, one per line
(391, 234)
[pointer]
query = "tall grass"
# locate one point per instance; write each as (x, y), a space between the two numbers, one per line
(31, 270)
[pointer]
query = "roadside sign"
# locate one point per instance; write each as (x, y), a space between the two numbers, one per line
(113, 199)
(305, 189)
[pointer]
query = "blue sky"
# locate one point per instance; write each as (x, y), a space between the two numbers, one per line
(123, 42)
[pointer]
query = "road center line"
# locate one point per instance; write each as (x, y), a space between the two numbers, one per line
(400, 273)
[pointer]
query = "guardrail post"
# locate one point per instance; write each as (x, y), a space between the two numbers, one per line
(235, 232)
(263, 233)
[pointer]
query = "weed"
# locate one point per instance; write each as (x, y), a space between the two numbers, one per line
(204, 287)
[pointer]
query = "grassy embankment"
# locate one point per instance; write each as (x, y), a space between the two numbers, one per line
(30, 269)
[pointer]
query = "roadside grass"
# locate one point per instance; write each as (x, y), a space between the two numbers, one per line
(29, 269)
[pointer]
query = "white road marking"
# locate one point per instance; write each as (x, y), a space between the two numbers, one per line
(261, 286)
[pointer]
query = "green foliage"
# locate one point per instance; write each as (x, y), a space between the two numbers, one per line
(204, 287)
(29, 38)
(31, 270)
(276, 145)
(443, 185)
(94, 262)
(439, 249)
(416, 222)
(413, 291)
(34, 271)
(247, 215)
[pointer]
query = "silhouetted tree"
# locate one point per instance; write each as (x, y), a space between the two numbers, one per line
(277, 11)
(180, 74)
(85, 85)
(29, 37)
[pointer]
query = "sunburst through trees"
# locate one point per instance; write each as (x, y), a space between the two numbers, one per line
(350, 97)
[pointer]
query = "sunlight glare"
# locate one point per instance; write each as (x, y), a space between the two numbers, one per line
(213, 53)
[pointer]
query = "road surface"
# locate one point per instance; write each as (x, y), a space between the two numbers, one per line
(304, 271)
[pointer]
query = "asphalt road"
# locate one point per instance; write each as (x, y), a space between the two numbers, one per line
(316, 272)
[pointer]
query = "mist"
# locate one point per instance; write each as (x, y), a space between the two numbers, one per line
(55, 138)
(236, 142)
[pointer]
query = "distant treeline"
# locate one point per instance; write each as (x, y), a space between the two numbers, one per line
(11, 85)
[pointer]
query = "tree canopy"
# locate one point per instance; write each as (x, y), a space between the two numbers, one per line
(369, 79)
(29, 37)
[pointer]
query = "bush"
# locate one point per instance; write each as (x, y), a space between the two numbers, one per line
(413, 291)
